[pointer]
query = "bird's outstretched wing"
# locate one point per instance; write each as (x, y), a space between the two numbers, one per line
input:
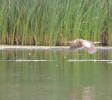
(92, 49)
(73, 48)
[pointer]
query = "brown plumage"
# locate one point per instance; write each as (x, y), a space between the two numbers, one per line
(79, 43)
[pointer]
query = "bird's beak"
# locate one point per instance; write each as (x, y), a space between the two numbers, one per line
(96, 42)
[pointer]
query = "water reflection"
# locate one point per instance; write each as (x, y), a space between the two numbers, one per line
(88, 93)
(53, 75)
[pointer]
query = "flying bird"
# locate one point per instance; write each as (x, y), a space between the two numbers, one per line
(79, 43)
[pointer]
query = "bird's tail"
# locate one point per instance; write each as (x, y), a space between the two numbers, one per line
(67, 42)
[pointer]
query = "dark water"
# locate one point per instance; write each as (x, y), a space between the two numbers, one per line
(53, 75)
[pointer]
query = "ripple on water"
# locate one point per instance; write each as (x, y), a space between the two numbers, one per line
(88, 60)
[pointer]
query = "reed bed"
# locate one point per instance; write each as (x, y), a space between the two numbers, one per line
(50, 22)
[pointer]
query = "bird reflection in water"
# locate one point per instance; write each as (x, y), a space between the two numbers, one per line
(88, 93)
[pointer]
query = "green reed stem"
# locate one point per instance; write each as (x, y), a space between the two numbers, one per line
(44, 22)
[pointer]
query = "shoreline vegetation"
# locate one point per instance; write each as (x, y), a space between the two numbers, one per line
(50, 22)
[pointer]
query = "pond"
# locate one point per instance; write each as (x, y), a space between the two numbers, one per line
(50, 74)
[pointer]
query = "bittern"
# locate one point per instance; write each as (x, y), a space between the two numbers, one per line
(79, 43)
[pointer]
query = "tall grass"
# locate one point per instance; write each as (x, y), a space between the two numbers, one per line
(49, 22)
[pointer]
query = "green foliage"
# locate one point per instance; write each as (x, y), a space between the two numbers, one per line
(49, 22)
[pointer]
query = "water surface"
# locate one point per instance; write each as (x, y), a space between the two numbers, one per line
(50, 74)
